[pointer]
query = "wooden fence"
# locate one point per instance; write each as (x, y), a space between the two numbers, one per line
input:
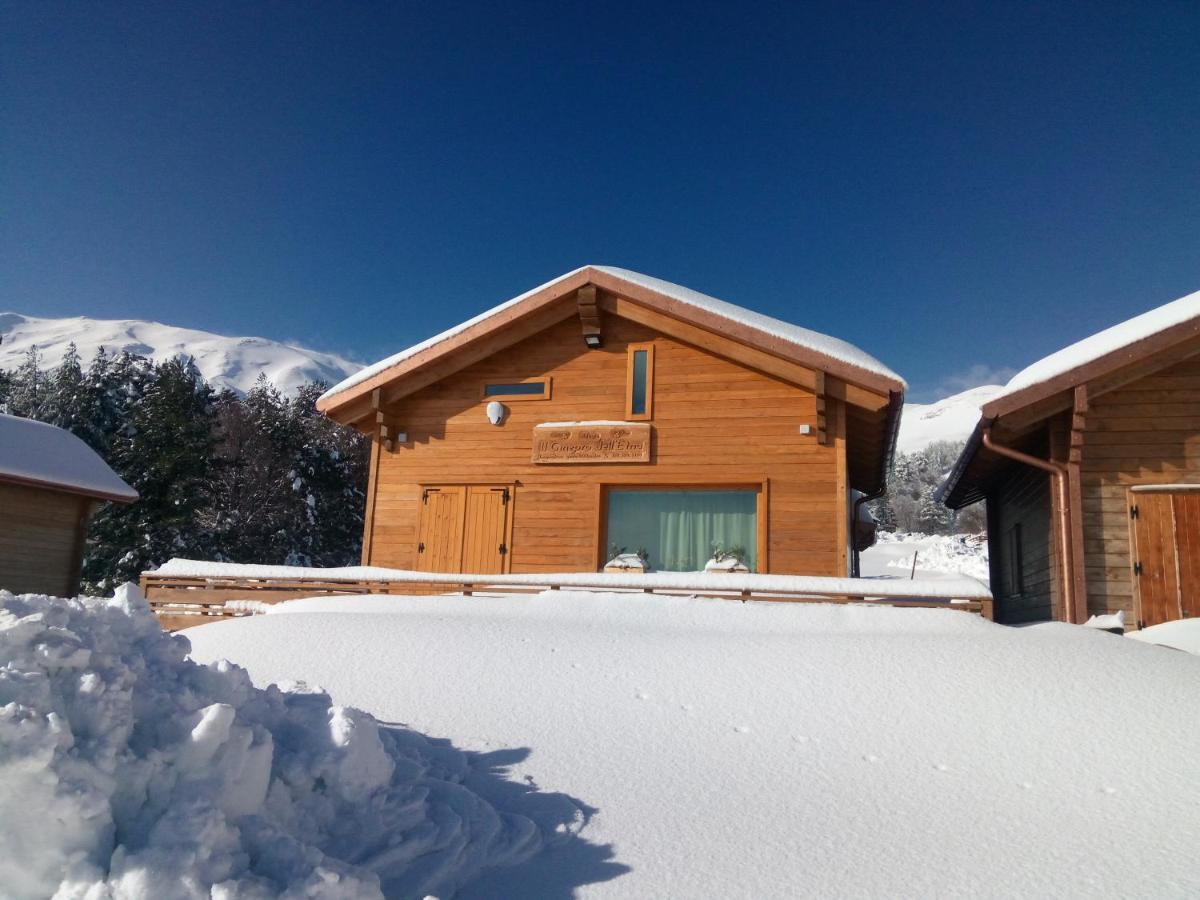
(181, 602)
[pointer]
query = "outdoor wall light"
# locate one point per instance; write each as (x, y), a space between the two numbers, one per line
(592, 340)
(496, 412)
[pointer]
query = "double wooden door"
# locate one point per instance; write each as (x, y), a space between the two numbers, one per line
(464, 528)
(1166, 553)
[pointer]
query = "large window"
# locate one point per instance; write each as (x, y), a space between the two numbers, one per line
(679, 528)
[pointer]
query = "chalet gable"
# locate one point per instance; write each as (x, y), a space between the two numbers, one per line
(590, 292)
(828, 367)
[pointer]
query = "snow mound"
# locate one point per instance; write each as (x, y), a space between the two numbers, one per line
(1182, 634)
(955, 554)
(129, 771)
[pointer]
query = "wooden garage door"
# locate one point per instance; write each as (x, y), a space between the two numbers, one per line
(1166, 554)
(464, 528)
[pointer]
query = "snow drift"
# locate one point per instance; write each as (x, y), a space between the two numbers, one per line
(768, 749)
(129, 771)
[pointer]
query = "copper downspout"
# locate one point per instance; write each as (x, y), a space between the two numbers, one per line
(1059, 473)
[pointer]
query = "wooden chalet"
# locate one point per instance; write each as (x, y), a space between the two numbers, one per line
(51, 483)
(1089, 461)
(608, 410)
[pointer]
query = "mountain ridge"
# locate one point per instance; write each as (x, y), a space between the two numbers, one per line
(952, 418)
(234, 362)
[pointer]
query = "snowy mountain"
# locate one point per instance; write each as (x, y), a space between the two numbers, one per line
(950, 419)
(233, 362)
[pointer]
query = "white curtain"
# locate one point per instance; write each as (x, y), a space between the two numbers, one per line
(678, 529)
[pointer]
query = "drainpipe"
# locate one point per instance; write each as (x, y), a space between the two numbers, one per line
(1059, 474)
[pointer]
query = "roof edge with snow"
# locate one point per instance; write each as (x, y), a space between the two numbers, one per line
(1101, 354)
(793, 342)
(36, 454)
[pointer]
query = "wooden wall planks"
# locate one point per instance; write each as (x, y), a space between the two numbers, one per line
(715, 421)
(41, 539)
(1146, 432)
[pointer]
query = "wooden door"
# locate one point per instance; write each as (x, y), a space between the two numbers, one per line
(1166, 554)
(1187, 550)
(485, 534)
(440, 535)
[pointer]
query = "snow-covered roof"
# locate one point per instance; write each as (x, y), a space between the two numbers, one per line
(35, 453)
(795, 334)
(801, 338)
(1110, 340)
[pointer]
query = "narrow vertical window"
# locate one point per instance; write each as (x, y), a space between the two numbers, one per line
(1016, 562)
(639, 398)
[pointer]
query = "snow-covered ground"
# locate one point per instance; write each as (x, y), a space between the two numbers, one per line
(1182, 634)
(234, 362)
(938, 556)
(720, 749)
(949, 419)
(128, 772)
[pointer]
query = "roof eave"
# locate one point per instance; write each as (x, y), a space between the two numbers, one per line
(558, 289)
(43, 484)
(948, 492)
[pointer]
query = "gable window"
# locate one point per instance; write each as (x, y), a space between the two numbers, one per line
(639, 396)
(523, 389)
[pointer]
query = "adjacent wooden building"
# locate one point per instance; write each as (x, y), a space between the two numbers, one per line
(51, 483)
(608, 410)
(1090, 465)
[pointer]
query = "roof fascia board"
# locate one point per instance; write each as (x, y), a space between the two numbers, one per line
(1097, 368)
(745, 334)
(747, 353)
(345, 406)
(547, 295)
(6, 478)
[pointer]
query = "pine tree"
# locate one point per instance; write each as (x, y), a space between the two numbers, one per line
(66, 399)
(164, 451)
(261, 478)
(28, 388)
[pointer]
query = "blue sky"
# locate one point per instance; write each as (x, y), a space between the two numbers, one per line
(959, 188)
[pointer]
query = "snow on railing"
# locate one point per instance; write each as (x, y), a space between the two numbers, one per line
(187, 592)
(957, 588)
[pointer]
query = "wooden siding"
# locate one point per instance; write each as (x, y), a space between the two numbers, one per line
(1147, 432)
(1021, 499)
(715, 422)
(41, 540)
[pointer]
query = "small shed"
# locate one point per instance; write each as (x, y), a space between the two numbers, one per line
(51, 483)
(608, 412)
(1089, 461)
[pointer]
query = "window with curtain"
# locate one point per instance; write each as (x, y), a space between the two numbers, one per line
(678, 528)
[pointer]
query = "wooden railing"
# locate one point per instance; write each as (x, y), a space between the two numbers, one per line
(181, 602)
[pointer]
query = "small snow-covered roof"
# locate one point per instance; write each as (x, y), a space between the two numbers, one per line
(1144, 337)
(1122, 336)
(807, 342)
(41, 455)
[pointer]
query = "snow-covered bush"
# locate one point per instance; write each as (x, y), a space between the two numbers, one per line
(129, 771)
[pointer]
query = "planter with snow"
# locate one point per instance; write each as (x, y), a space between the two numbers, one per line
(626, 564)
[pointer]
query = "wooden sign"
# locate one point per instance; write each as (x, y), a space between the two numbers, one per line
(628, 442)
